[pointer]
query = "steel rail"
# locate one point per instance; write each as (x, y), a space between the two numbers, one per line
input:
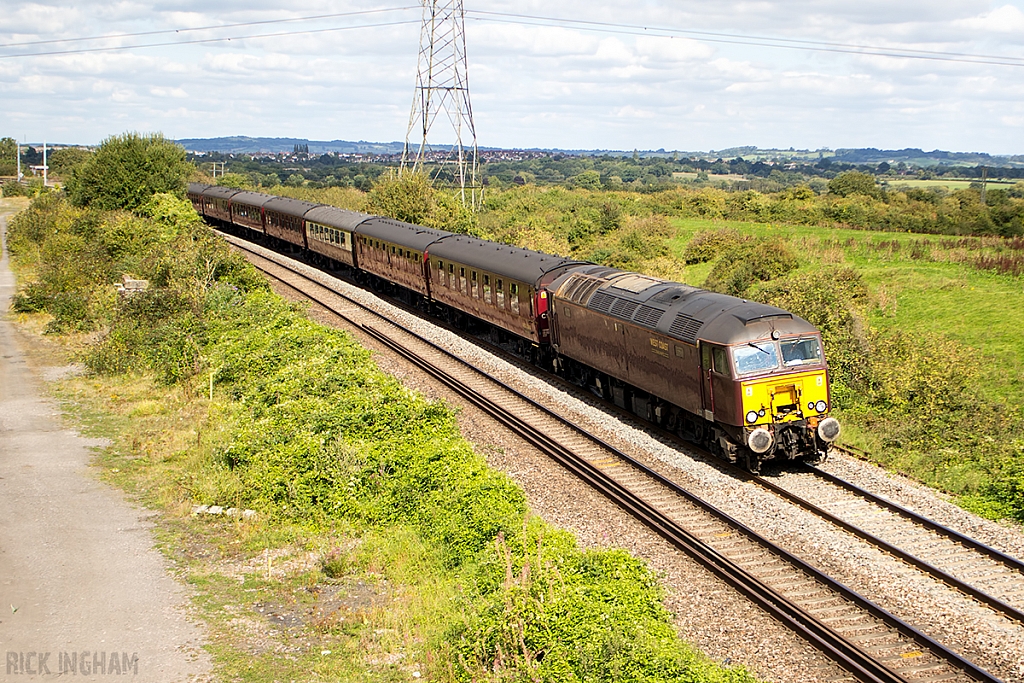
(930, 569)
(921, 520)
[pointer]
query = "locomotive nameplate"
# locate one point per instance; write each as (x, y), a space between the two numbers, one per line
(659, 347)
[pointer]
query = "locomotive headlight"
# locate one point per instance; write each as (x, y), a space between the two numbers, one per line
(760, 440)
(810, 405)
(820, 406)
(752, 416)
(828, 429)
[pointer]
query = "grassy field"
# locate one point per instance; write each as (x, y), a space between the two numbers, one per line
(950, 184)
(981, 309)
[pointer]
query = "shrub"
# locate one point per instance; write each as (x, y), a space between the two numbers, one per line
(756, 260)
(127, 170)
(707, 245)
(853, 183)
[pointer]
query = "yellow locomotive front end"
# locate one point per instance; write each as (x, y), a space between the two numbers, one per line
(785, 399)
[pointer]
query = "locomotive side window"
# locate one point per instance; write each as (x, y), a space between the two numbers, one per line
(721, 361)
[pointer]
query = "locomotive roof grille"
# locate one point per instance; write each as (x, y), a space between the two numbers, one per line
(686, 328)
(623, 308)
(648, 316)
(602, 302)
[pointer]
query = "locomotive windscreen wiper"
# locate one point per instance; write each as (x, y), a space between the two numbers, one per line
(758, 348)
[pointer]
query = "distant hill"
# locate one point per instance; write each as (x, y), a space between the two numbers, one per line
(911, 156)
(241, 144)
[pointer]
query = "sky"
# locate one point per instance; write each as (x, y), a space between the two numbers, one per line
(688, 75)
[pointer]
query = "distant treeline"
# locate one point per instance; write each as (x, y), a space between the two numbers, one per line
(644, 174)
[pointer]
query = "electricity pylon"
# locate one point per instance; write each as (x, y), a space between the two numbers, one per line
(442, 93)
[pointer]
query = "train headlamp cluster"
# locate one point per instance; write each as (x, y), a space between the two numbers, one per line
(754, 414)
(820, 406)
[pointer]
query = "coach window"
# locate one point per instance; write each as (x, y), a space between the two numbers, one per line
(487, 288)
(462, 280)
(513, 294)
(475, 286)
(499, 291)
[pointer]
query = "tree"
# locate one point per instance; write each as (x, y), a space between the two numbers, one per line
(8, 156)
(853, 182)
(411, 198)
(64, 161)
(127, 170)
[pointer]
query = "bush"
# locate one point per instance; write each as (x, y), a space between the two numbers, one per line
(756, 260)
(127, 170)
(852, 183)
(707, 245)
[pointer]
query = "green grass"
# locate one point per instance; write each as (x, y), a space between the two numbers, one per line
(950, 184)
(980, 309)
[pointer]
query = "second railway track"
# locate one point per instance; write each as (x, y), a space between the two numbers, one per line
(864, 639)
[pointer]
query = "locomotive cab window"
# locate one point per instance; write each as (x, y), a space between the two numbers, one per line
(800, 352)
(755, 357)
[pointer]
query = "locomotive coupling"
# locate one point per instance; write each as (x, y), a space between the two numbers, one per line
(828, 429)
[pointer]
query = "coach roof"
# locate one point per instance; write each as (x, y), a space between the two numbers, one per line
(396, 232)
(524, 265)
(217, 192)
(336, 218)
(289, 207)
(250, 198)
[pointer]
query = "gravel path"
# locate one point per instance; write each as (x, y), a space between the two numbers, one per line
(79, 575)
(708, 613)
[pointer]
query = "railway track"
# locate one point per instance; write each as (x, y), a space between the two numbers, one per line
(990, 576)
(864, 639)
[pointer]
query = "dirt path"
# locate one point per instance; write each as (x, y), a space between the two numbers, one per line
(80, 582)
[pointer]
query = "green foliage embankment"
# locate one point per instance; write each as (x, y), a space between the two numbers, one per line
(307, 431)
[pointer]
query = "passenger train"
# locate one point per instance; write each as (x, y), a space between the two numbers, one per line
(746, 380)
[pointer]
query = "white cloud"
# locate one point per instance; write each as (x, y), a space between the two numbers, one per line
(532, 85)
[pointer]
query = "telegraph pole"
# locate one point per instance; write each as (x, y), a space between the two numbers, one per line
(442, 92)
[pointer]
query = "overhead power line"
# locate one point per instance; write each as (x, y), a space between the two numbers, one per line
(530, 20)
(739, 39)
(111, 36)
(79, 51)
